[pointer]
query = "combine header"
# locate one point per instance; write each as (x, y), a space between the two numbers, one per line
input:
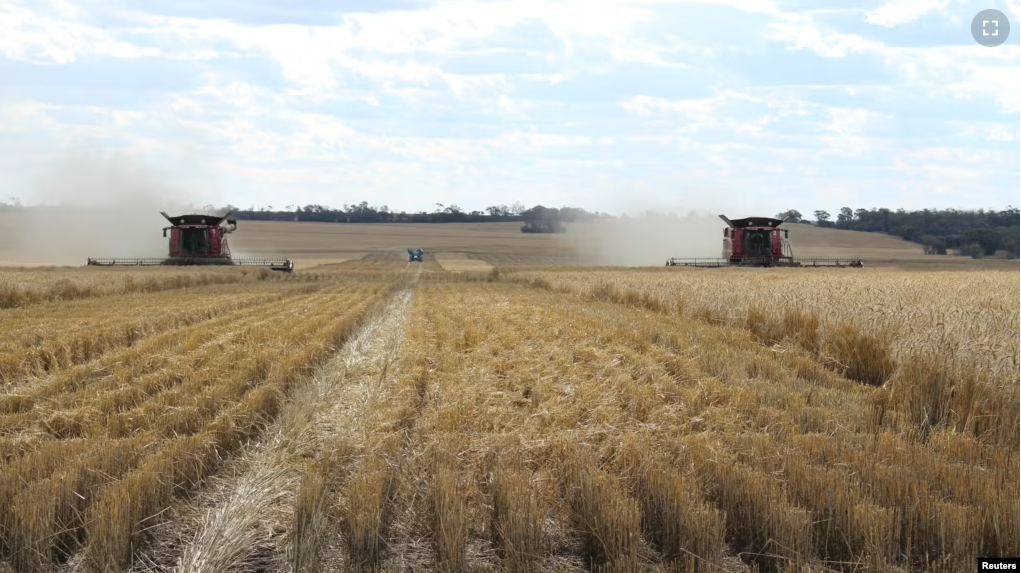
(199, 240)
(759, 242)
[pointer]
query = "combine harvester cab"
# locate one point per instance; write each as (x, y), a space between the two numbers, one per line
(415, 255)
(760, 242)
(199, 240)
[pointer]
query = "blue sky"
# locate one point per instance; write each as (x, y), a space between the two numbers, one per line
(753, 106)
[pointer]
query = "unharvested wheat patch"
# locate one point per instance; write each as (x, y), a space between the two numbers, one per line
(975, 312)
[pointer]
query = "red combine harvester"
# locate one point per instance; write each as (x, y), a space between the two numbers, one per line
(760, 242)
(199, 240)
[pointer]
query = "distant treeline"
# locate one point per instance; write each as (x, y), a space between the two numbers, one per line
(974, 233)
(538, 219)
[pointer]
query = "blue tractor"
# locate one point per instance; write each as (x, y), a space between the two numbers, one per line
(415, 255)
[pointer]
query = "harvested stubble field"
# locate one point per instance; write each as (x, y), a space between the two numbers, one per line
(383, 416)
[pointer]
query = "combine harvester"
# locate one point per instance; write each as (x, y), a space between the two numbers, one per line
(199, 240)
(415, 255)
(760, 242)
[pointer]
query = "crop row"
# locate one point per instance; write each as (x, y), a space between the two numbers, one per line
(99, 398)
(118, 460)
(49, 337)
(24, 287)
(146, 354)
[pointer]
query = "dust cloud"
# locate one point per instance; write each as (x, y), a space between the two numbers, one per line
(647, 240)
(91, 204)
(658, 227)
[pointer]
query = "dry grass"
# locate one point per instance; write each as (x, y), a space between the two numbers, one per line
(676, 519)
(25, 286)
(230, 531)
(309, 521)
(669, 409)
(365, 518)
(968, 312)
(105, 491)
(517, 519)
(516, 420)
(308, 450)
(450, 515)
(605, 516)
(877, 327)
(50, 337)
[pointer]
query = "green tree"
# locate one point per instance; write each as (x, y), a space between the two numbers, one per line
(792, 216)
(989, 239)
(973, 250)
(933, 245)
(1011, 244)
(845, 217)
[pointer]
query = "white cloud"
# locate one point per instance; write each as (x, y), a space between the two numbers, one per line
(1002, 133)
(694, 109)
(969, 71)
(848, 127)
(28, 36)
(844, 121)
(308, 54)
(897, 12)
(23, 117)
(802, 32)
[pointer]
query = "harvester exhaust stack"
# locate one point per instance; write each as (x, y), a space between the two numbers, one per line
(760, 242)
(199, 240)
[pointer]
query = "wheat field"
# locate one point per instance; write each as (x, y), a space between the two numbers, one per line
(379, 415)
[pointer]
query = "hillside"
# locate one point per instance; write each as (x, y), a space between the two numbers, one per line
(812, 241)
